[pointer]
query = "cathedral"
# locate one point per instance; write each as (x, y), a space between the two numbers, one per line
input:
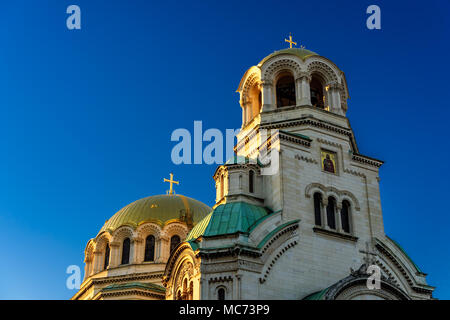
(305, 224)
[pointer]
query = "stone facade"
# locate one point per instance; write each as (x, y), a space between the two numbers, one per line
(288, 254)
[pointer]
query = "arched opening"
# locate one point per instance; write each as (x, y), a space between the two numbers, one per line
(317, 92)
(174, 241)
(126, 251)
(345, 216)
(221, 294)
(251, 181)
(331, 209)
(106, 261)
(285, 90)
(318, 209)
(149, 254)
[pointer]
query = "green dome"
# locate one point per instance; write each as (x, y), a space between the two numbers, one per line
(160, 209)
(229, 218)
(302, 53)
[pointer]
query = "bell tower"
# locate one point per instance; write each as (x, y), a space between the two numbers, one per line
(298, 212)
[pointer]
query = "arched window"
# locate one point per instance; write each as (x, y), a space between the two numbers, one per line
(251, 180)
(345, 218)
(149, 248)
(221, 294)
(174, 241)
(106, 262)
(318, 209)
(331, 208)
(317, 93)
(285, 90)
(126, 251)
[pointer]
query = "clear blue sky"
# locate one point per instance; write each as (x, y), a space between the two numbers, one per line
(86, 116)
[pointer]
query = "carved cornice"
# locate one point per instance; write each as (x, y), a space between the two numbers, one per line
(232, 251)
(367, 160)
(128, 292)
(292, 138)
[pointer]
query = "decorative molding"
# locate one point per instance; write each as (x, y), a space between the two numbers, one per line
(281, 64)
(330, 143)
(355, 173)
(324, 70)
(290, 228)
(290, 243)
(306, 159)
(149, 228)
(220, 279)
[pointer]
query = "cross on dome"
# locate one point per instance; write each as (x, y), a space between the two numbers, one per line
(290, 41)
(171, 181)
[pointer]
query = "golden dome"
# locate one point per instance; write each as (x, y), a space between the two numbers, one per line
(160, 209)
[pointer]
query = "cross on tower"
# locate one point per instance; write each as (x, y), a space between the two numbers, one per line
(290, 41)
(171, 181)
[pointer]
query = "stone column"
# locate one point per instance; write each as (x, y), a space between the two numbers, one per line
(114, 254)
(248, 111)
(204, 288)
(303, 89)
(328, 99)
(237, 286)
(97, 261)
(164, 249)
(87, 267)
(324, 213)
(244, 117)
(333, 96)
(136, 249)
(338, 217)
(267, 96)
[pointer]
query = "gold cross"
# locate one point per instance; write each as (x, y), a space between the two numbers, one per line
(290, 41)
(171, 181)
